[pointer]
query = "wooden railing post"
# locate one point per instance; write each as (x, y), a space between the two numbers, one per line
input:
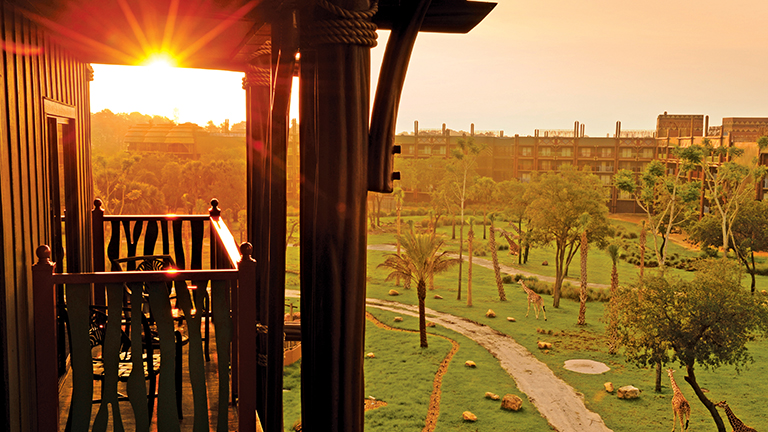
(97, 234)
(246, 344)
(214, 213)
(44, 322)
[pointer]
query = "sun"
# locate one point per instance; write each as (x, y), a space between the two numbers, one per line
(160, 60)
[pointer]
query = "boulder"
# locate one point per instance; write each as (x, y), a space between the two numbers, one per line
(628, 392)
(545, 263)
(511, 402)
(493, 396)
(370, 355)
(608, 387)
(764, 292)
(544, 345)
(470, 363)
(468, 416)
(430, 324)
(393, 292)
(490, 314)
(438, 297)
(510, 319)
(398, 319)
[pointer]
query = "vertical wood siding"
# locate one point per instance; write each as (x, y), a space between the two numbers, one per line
(33, 68)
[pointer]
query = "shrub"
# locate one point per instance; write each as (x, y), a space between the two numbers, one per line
(503, 247)
(507, 279)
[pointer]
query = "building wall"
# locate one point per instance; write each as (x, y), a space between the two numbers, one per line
(40, 80)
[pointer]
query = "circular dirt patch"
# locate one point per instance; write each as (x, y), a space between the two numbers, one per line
(586, 366)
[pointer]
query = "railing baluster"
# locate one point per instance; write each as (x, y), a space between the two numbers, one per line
(142, 405)
(150, 238)
(178, 244)
(195, 354)
(97, 233)
(113, 248)
(78, 298)
(44, 314)
(110, 356)
(246, 331)
(159, 303)
(220, 307)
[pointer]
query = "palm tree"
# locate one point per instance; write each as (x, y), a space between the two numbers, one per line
(470, 237)
(399, 196)
(421, 258)
(584, 254)
(613, 337)
(495, 256)
(642, 249)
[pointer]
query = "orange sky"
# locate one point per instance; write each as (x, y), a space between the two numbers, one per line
(529, 65)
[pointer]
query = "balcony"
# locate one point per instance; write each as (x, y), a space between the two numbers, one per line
(190, 325)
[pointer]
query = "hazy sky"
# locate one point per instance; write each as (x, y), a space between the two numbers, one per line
(534, 65)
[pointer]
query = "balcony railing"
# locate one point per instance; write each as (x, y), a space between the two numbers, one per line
(232, 284)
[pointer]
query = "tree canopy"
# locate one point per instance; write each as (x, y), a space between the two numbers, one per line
(557, 202)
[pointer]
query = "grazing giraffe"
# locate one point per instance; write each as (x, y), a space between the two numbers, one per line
(535, 299)
(680, 406)
(738, 425)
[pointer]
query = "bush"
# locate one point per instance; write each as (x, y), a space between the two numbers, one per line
(507, 279)
(503, 247)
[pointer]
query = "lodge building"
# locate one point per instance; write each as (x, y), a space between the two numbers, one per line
(520, 157)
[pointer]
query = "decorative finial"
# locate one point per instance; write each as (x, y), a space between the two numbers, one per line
(246, 249)
(97, 204)
(214, 211)
(43, 254)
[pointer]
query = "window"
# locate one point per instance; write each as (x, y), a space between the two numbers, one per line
(585, 151)
(526, 151)
(545, 165)
(606, 167)
(425, 150)
(526, 165)
(410, 149)
(646, 153)
(440, 150)
(623, 195)
(525, 177)
(566, 151)
(605, 179)
(626, 152)
(606, 152)
(545, 151)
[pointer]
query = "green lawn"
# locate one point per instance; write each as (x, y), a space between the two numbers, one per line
(650, 412)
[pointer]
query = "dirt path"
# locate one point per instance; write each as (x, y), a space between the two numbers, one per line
(434, 400)
(504, 268)
(558, 402)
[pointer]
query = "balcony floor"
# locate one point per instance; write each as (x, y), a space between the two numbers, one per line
(126, 413)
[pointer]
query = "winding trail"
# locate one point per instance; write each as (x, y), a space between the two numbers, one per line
(434, 400)
(557, 401)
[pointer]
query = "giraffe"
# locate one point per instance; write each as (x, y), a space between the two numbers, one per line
(738, 425)
(535, 299)
(680, 406)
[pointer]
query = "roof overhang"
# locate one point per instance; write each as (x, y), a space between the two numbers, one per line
(209, 34)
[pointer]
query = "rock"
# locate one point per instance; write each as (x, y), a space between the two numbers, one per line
(628, 392)
(393, 292)
(468, 416)
(510, 319)
(430, 324)
(398, 319)
(489, 395)
(608, 387)
(438, 297)
(545, 263)
(764, 292)
(544, 345)
(511, 402)
(370, 355)
(490, 314)
(470, 363)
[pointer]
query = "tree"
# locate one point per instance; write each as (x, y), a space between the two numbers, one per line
(613, 311)
(584, 222)
(666, 199)
(726, 183)
(421, 258)
(749, 234)
(557, 201)
(706, 322)
(470, 238)
(399, 195)
(495, 257)
(484, 195)
(512, 198)
(464, 161)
